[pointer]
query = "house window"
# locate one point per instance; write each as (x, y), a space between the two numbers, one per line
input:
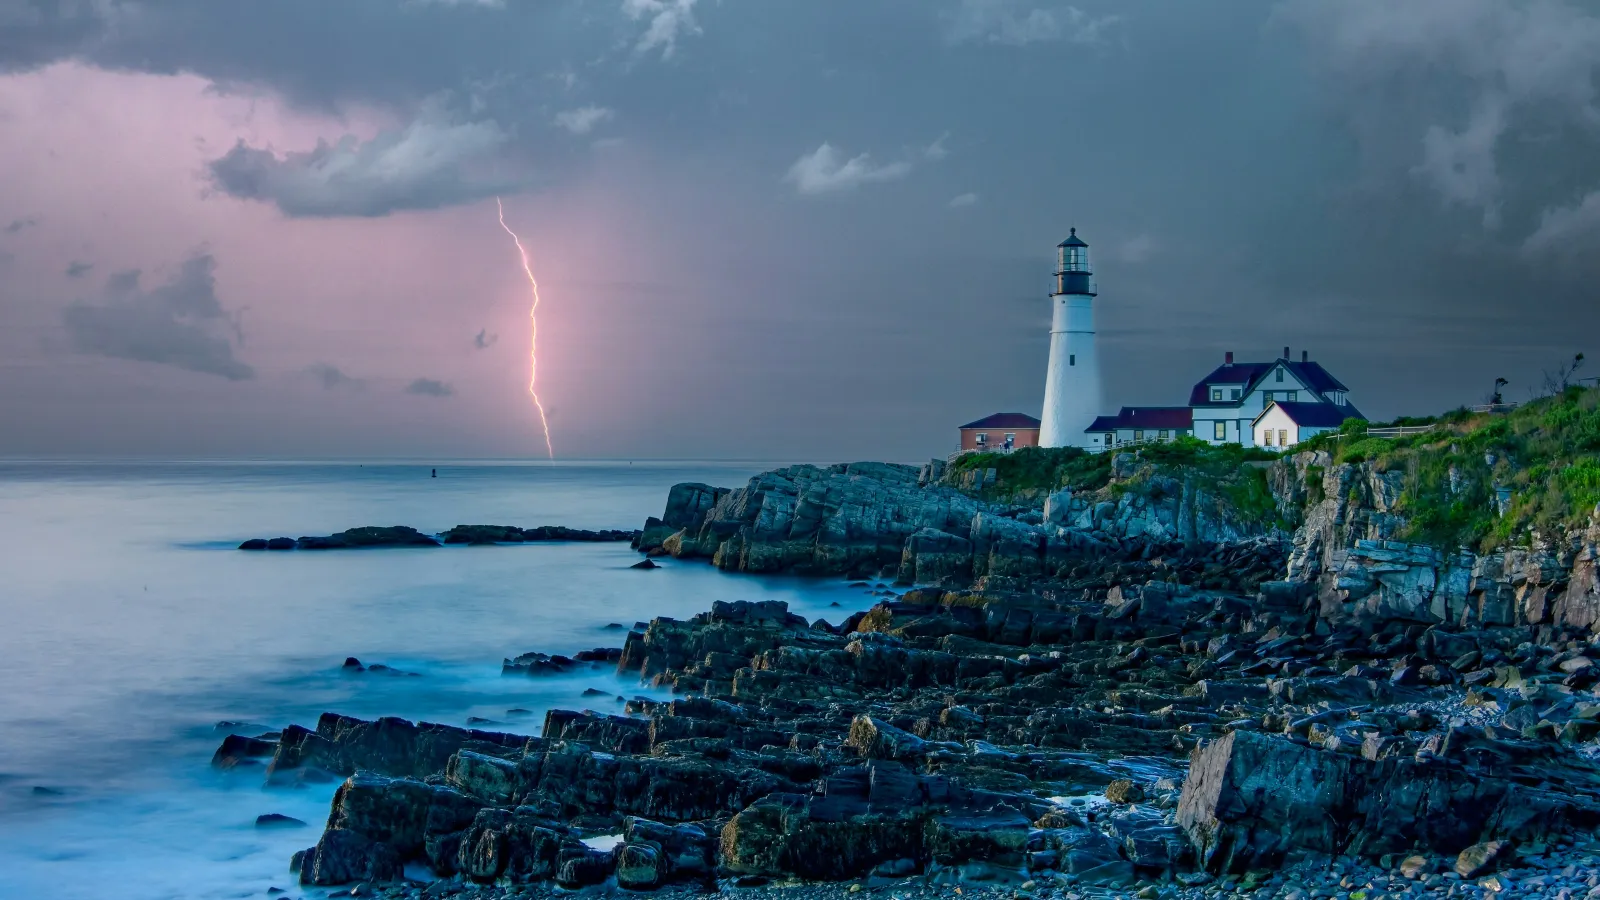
(1111, 439)
(1222, 430)
(1011, 441)
(1162, 434)
(983, 439)
(1293, 396)
(1283, 438)
(1266, 437)
(1279, 374)
(1072, 359)
(1138, 434)
(1216, 394)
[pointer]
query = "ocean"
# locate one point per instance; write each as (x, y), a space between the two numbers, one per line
(131, 627)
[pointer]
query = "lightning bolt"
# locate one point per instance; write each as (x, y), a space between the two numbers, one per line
(533, 339)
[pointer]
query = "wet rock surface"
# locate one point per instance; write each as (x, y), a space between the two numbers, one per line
(1070, 713)
(967, 738)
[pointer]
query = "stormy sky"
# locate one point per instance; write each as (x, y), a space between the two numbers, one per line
(768, 229)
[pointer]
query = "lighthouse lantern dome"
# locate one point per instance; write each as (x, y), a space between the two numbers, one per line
(1073, 275)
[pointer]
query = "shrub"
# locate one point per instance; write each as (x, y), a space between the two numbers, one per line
(1035, 470)
(1364, 449)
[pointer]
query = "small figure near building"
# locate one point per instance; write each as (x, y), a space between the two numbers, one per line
(1001, 431)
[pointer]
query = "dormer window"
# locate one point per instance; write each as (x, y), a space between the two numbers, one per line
(1216, 395)
(1235, 394)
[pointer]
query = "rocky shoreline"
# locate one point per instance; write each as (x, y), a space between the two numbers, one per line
(406, 536)
(1136, 693)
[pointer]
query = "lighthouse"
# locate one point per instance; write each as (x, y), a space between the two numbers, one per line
(1072, 384)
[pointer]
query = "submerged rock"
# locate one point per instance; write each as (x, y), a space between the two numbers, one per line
(510, 534)
(370, 536)
(237, 750)
(278, 820)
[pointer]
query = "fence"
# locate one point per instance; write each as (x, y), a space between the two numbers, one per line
(1001, 448)
(1399, 432)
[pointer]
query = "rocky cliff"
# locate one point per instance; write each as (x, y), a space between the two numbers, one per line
(1171, 672)
(1332, 532)
(921, 527)
(1347, 552)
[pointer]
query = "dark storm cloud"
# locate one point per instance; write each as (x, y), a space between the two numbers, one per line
(483, 340)
(433, 162)
(76, 269)
(1405, 188)
(17, 225)
(331, 377)
(37, 32)
(428, 387)
(180, 323)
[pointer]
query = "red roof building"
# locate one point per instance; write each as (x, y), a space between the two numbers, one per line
(1001, 431)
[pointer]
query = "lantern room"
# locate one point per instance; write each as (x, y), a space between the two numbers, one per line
(1072, 267)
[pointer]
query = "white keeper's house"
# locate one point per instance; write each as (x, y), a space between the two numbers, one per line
(1270, 404)
(1267, 404)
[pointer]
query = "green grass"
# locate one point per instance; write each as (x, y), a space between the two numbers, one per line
(1032, 472)
(1546, 452)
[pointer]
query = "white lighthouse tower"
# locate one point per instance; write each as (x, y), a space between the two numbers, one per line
(1072, 386)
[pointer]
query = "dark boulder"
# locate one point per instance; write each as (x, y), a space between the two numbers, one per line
(1481, 859)
(387, 746)
(538, 664)
(237, 749)
(254, 544)
(1249, 799)
(585, 867)
(341, 857)
(278, 820)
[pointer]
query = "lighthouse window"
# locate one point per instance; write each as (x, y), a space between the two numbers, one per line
(1072, 359)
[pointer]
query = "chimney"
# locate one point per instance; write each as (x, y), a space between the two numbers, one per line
(1228, 359)
(1286, 353)
(1305, 356)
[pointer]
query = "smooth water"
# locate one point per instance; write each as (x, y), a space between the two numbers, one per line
(129, 626)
